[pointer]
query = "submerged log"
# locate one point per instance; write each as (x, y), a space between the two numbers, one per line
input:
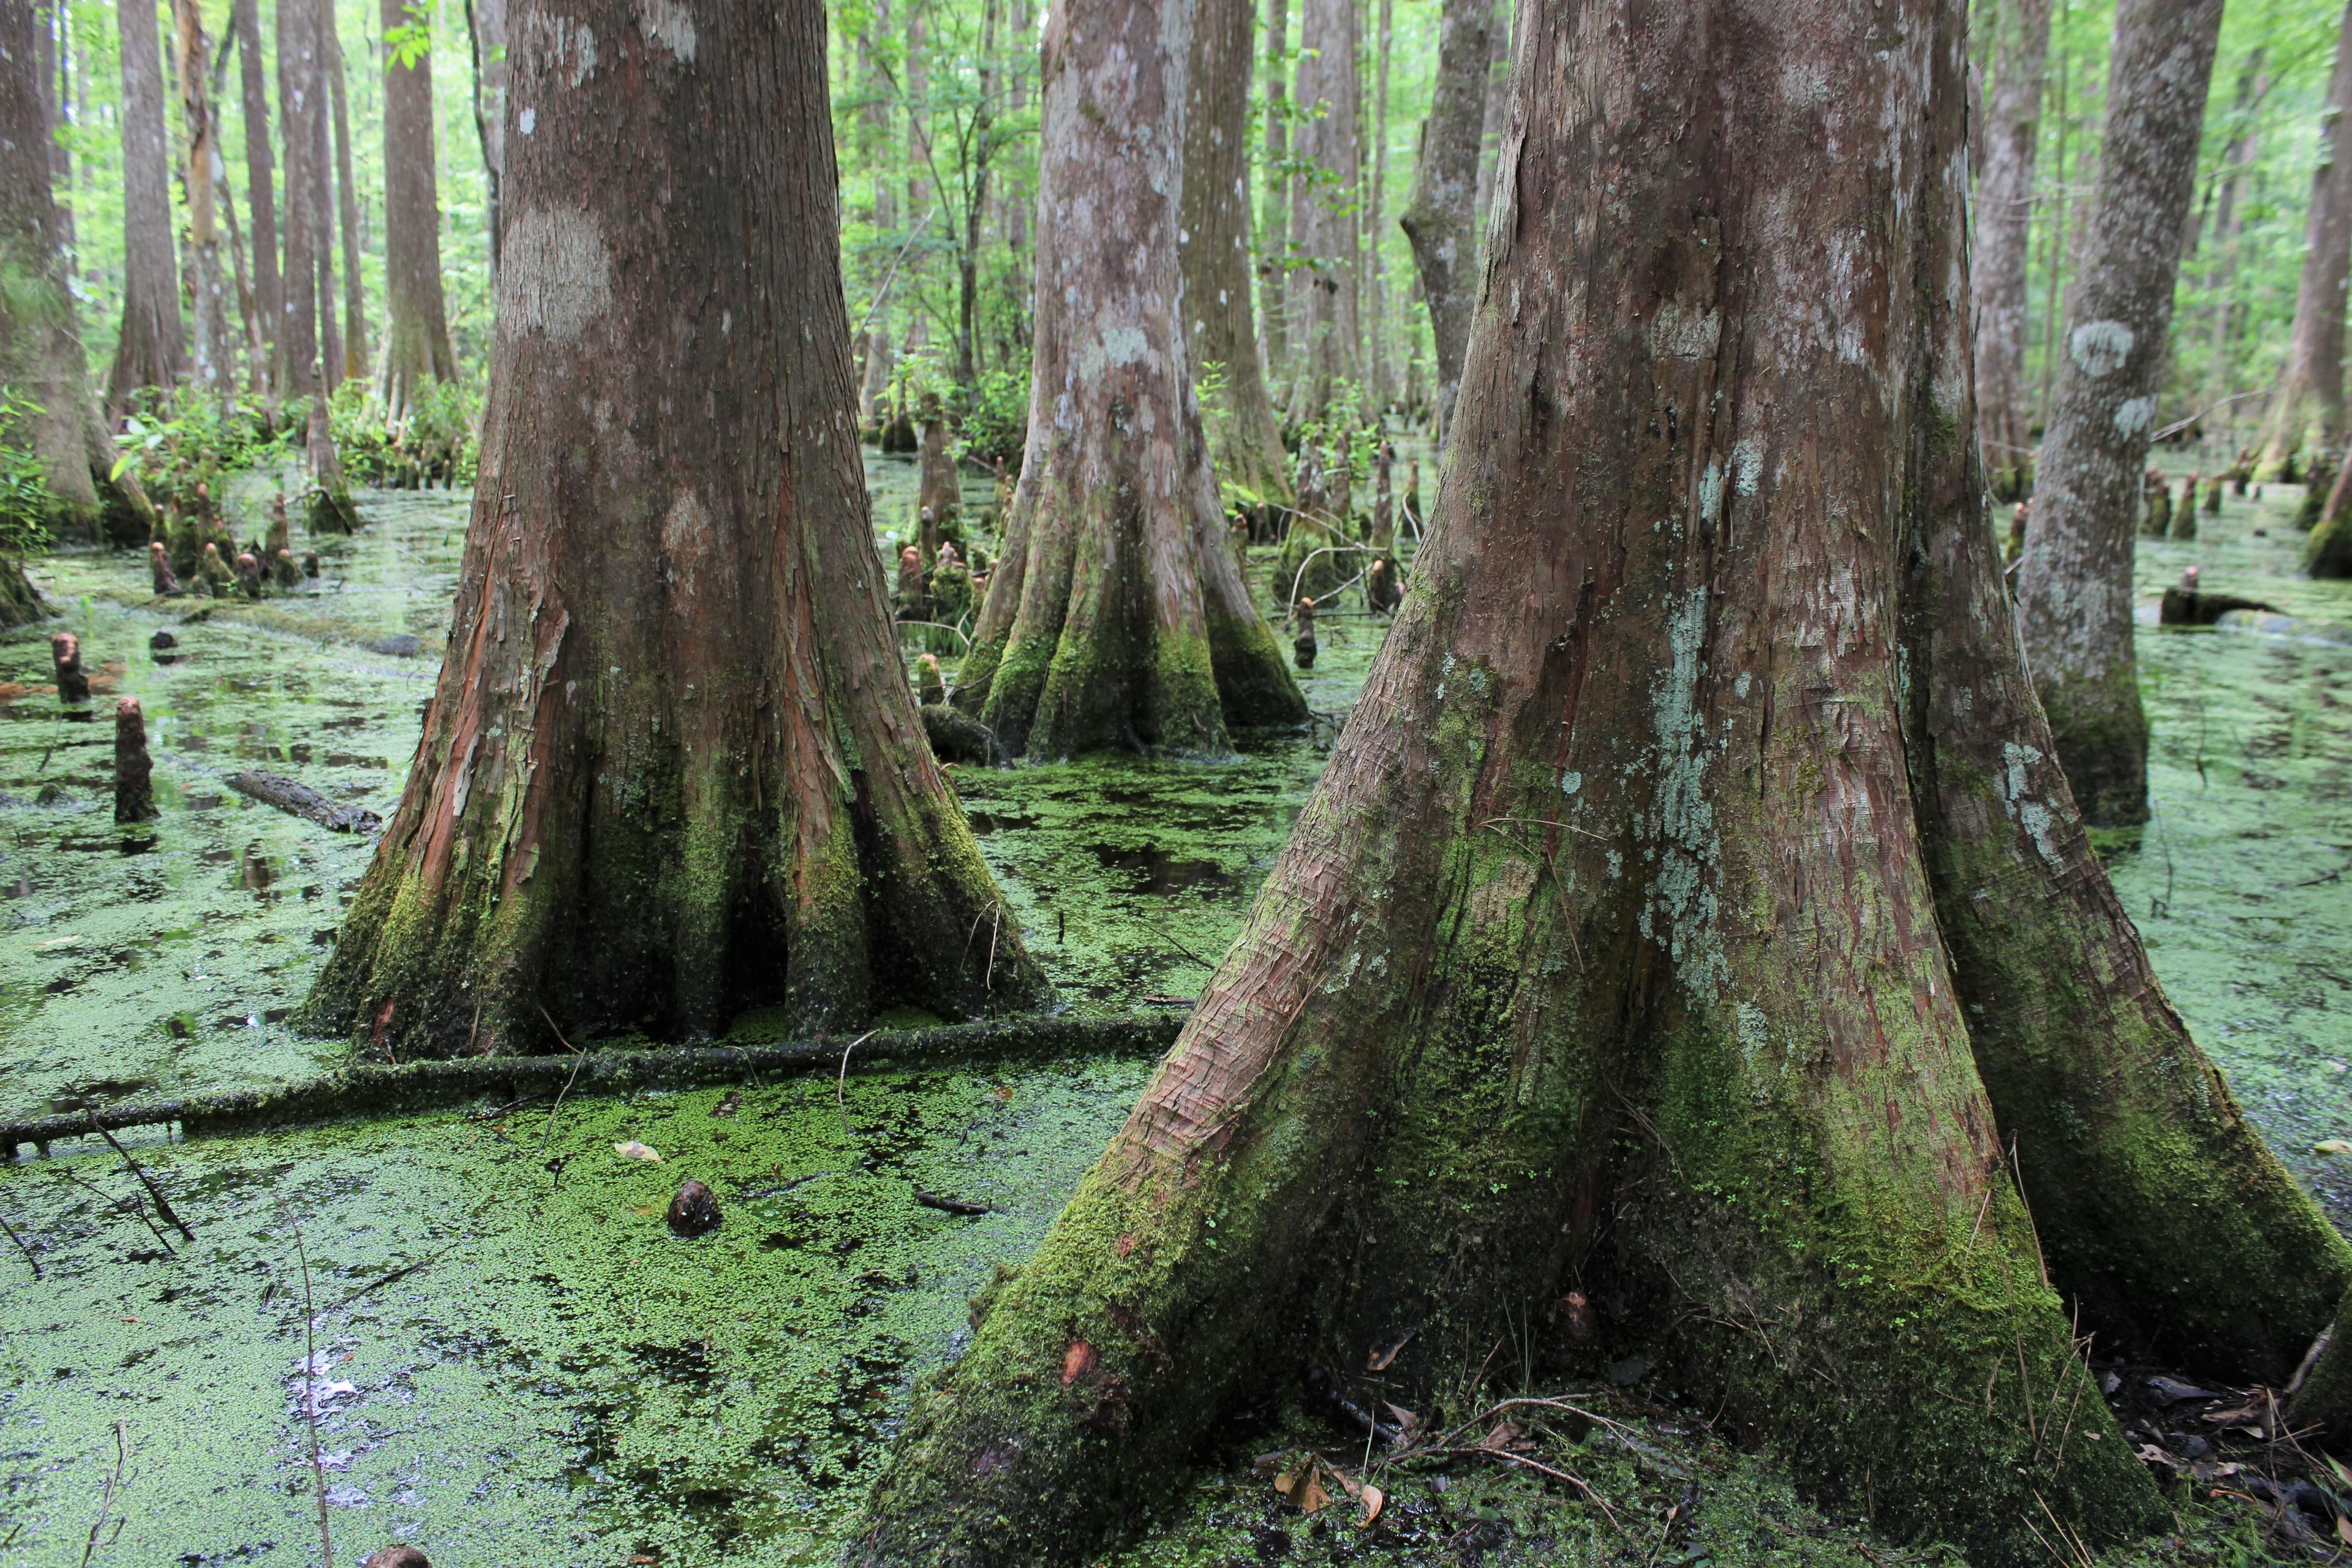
(302, 800)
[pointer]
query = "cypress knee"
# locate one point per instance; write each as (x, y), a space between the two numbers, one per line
(65, 655)
(159, 567)
(134, 772)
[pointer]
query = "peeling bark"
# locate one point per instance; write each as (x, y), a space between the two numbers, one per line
(2075, 589)
(2305, 416)
(152, 350)
(672, 767)
(2004, 214)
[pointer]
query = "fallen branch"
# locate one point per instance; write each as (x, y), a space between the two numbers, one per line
(302, 801)
(951, 1206)
(163, 1204)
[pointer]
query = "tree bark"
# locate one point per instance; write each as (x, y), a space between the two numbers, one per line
(1323, 278)
(1499, 107)
(298, 113)
(1633, 935)
(244, 19)
(2075, 589)
(673, 766)
(416, 324)
(40, 340)
(1376, 215)
(1213, 241)
(214, 363)
(152, 350)
(486, 28)
(1274, 225)
(1116, 617)
(1441, 219)
(2305, 416)
(2004, 207)
(2228, 224)
(347, 203)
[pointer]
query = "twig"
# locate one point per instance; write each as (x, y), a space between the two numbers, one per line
(950, 1205)
(105, 1499)
(21, 1246)
(578, 1056)
(163, 1206)
(883, 292)
(119, 1204)
(1578, 1482)
(841, 1080)
(380, 1280)
(311, 1404)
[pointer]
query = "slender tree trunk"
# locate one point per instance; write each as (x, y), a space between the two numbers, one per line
(1213, 239)
(1441, 220)
(874, 137)
(40, 341)
(920, 195)
(52, 59)
(975, 208)
(416, 320)
(1116, 618)
(1703, 1033)
(1323, 206)
(347, 204)
(650, 809)
(215, 351)
(486, 28)
(1274, 220)
(2228, 225)
(1497, 107)
(2074, 590)
(2059, 255)
(1376, 214)
(2004, 207)
(2305, 416)
(244, 19)
(153, 350)
(297, 110)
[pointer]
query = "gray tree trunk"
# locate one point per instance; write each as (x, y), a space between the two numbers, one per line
(214, 360)
(269, 292)
(2004, 213)
(2228, 225)
(1274, 214)
(1442, 217)
(152, 350)
(486, 26)
(1324, 282)
(2305, 416)
(416, 317)
(2074, 590)
(347, 203)
(1497, 107)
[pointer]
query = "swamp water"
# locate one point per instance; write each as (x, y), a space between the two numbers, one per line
(513, 1360)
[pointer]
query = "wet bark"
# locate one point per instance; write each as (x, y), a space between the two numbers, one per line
(40, 340)
(1323, 278)
(672, 767)
(2004, 209)
(152, 350)
(416, 323)
(269, 301)
(485, 26)
(2074, 590)
(2305, 416)
(1116, 618)
(1633, 935)
(1441, 219)
(1213, 241)
(1274, 222)
(347, 203)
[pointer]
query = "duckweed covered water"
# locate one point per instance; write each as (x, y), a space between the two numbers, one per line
(558, 1379)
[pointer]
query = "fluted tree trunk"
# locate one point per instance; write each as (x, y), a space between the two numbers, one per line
(347, 204)
(673, 766)
(2074, 590)
(2004, 215)
(2305, 416)
(416, 323)
(1691, 911)
(1213, 240)
(268, 296)
(1442, 217)
(1323, 282)
(40, 340)
(153, 350)
(1116, 617)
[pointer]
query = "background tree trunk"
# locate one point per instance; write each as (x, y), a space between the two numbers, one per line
(2075, 591)
(1213, 240)
(2305, 416)
(1323, 284)
(153, 350)
(298, 112)
(1498, 77)
(1441, 219)
(323, 208)
(1376, 217)
(416, 323)
(1117, 617)
(2004, 208)
(1274, 225)
(2229, 222)
(214, 364)
(245, 18)
(40, 341)
(486, 28)
(649, 809)
(347, 204)
(1644, 1057)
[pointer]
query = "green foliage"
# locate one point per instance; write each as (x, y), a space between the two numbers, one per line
(26, 498)
(188, 437)
(997, 427)
(413, 40)
(435, 443)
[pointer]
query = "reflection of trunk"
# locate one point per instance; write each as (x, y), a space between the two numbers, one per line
(347, 204)
(416, 323)
(1274, 226)
(1322, 207)
(268, 297)
(1115, 618)
(215, 363)
(1212, 237)
(2074, 590)
(2305, 416)
(486, 26)
(1766, 921)
(40, 341)
(642, 807)
(2004, 205)
(153, 350)
(1442, 217)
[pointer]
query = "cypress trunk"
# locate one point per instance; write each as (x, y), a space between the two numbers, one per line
(355, 364)
(1116, 617)
(486, 29)
(673, 767)
(1323, 276)
(1636, 934)
(268, 297)
(152, 350)
(298, 111)
(215, 365)
(1441, 219)
(1213, 240)
(2305, 416)
(2075, 589)
(2004, 209)
(40, 340)
(1274, 242)
(416, 326)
